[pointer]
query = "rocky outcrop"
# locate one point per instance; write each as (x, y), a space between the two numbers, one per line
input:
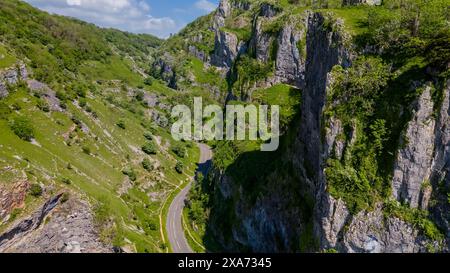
(227, 48)
(12, 197)
(194, 51)
(371, 232)
(12, 76)
(28, 225)
(162, 69)
(48, 94)
(223, 11)
(261, 42)
(69, 228)
(362, 2)
(290, 64)
(440, 178)
(413, 166)
(268, 10)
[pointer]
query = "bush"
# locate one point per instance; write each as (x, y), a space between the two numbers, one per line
(86, 150)
(121, 124)
(179, 150)
(35, 190)
(43, 105)
(148, 81)
(179, 167)
(147, 165)
(130, 173)
(149, 148)
(65, 197)
(22, 127)
(66, 181)
(82, 102)
(152, 226)
(148, 136)
(139, 95)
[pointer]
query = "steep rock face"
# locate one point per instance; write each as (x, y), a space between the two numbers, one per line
(290, 64)
(440, 178)
(12, 197)
(222, 13)
(28, 225)
(227, 48)
(268, 10)
(162, 69)
(371, 232)
(272, 222)
(413, 166)
(261, 42)
(193, 50)
(69, 229)
(275, 221)
(325, 49)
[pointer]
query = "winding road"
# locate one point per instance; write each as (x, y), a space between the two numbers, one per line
(174, 226)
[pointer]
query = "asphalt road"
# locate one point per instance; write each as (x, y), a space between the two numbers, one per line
(174, 225)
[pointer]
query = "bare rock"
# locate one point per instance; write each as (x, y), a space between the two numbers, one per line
(413, 166)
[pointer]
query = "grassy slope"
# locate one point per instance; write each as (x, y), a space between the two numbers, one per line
(53, 157)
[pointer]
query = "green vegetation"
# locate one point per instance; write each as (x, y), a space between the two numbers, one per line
(21, 126)
(179, 150)
(6, 59)
(418, 218)
(149, 148)
(35, 190)
(147, 165)
(121, 124)
(179, 167)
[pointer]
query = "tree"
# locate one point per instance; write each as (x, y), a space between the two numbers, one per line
(179, 167)
(147, 165)
(35, 190)
(179, 150)
(22, 127)
(121, 124)
(149, 148)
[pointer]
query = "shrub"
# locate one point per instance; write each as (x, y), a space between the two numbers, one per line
(130, 173)
(66, 181)
(65, 197)
(148, 81)
(43, 105)
(152, 226)
(149, 148)
(35, 190)
(147, 165)
(179, 167)
(61, 95)
(86, 150)
(148, 136)
(22, 127)
(82, 102)
(139, 95)
(179, 150)
(121, 124)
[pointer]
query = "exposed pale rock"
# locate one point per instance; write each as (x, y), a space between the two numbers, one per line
(227, 48)
(413, 166)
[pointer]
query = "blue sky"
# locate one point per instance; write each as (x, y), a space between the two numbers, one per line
(158, 17)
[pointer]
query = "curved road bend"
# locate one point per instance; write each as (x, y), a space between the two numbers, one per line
(174, 225)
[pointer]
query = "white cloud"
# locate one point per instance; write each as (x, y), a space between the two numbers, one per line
(129, 15)
(205, 5)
